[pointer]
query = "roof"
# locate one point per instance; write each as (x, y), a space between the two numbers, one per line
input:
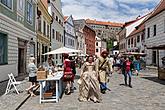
(89, 21)
(65, 18)
(138, 29)
(159, 8)
(130, 22)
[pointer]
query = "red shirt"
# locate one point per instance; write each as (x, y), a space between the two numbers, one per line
(128, 66)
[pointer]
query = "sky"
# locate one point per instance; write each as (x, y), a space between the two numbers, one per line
(108, 10)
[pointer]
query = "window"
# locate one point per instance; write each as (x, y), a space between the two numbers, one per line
(62, 38)
(59, 21)
(132, 41)
(29, 12)
(154, 30)
(135, 42)
(20, 5)
(128, 41)
(3, 49)
(57, 18)
(148, 32)
(7, 3)
(164, 25)
(53, 15)
(138, 38)
(39, 24)
(48, 31)
(142, 37)
(44, 27)
(97, 50)
(56, 56)
(96, 43)
(53, 33)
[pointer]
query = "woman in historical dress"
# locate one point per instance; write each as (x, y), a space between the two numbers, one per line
(88, 82)
(68, 74)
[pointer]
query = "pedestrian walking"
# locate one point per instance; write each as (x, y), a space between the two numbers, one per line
(127, 65)
(136, 64)
(88, 82)
(103, 67)
(68, 74)
(73, 66)
(32, 71)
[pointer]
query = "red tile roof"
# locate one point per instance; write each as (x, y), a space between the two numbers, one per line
(89, 21)
(159, 8)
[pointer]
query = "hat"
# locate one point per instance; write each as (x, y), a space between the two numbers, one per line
(105, 52)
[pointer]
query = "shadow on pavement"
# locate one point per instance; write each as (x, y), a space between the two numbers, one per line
(155, 79)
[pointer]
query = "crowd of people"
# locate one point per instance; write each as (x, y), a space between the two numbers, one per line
(94, 74)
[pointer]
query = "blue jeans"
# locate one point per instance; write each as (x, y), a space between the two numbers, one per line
(125, 77)
(103, 86)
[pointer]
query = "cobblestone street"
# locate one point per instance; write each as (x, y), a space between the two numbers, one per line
(148, 93)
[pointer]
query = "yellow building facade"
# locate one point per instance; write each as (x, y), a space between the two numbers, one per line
(44, 21)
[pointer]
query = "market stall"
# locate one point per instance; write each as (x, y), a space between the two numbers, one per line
(49, 93)
(161, 69)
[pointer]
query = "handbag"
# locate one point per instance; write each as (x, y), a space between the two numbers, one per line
(68, 75)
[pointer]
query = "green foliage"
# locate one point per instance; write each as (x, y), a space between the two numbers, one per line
(110, 44)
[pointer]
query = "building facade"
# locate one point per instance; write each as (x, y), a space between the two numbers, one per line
(80, 42)
(44, 21)
(128, 28)
(100, 46)
(136, 40)
(155, 34)
(17, 36)
(70, 34)
(105, 30)
(57, 27)
(89, 35)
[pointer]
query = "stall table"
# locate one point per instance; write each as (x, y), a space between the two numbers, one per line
(57, 78)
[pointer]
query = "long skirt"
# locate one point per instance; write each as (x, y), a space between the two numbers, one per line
(89, 87)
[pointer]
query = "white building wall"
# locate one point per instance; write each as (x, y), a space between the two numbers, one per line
(55, 8)
(70, 34)
(14, 30)
(159, 39)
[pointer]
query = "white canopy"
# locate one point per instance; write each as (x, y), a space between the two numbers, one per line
(62, 50)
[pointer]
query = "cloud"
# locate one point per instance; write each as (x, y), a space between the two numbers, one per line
(109, 10)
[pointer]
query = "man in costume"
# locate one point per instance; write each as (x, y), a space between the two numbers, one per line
(103, 68)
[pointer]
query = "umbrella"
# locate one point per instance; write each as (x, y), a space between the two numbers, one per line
(82, 55)
(71, 54)
(135, 53)
(62, 50)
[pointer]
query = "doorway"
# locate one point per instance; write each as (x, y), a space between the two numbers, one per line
(21, 64)
(21, 57)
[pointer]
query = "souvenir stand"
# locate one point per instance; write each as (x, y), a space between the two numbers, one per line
(51, 85)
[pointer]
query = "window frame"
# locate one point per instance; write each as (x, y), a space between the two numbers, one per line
(154, 30)
(6, 5)
(30, 19)
(5, 51)
(148, 32)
